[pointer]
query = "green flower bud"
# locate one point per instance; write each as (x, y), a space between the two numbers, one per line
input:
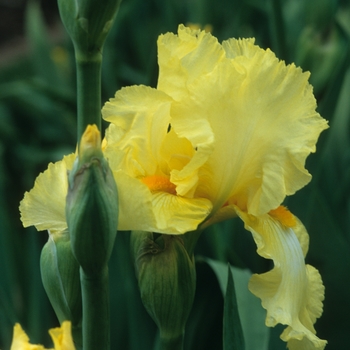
(88, 22)
(60, 276)
(92, 204)
(166, 277)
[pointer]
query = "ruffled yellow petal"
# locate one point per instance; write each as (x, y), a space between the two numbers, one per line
(241, 47)
(184, 57)
(141, 116)
(62, 337)
(155, 169)
(284, 111)
(44, 205)
(292, 292)
(189, 154)
(176, 215)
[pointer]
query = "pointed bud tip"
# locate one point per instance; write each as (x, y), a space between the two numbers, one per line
(90, 144)
(91, 139)
(92, 204)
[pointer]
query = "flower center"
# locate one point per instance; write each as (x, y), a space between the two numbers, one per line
(284, 216)
(159, 183)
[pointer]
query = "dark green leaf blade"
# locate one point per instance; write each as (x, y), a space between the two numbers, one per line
(233, 333)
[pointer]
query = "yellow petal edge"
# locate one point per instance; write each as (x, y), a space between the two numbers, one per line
(61, 338)
(44, 205)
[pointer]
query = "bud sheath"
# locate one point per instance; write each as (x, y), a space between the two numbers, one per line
(60, 276)
(92, 205)
(92, 218)
(166, 277)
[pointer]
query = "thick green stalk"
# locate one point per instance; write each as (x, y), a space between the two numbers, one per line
(96, 315)
(88, 91)
(171, 343)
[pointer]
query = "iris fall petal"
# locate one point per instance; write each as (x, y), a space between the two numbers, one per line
(44, 206)
(292, 292)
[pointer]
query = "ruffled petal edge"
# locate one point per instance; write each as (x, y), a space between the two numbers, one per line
(44, 205)
(292, 292)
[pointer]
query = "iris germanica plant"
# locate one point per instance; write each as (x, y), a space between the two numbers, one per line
(226, 133)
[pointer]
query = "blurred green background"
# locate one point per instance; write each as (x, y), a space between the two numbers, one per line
(38, 125)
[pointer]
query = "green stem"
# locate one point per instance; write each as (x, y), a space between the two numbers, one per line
(277, 30)
(96, 317)
(172, 343)
(88, 91)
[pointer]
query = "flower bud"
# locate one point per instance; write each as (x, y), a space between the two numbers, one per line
(166, 277)
(92, 204)
(60, 276)
(88, 22)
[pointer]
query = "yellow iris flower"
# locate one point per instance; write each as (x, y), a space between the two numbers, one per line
(225, 133)
(61, 337)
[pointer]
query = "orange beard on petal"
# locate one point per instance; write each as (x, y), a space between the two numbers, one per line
(284, 216)
(158, 183)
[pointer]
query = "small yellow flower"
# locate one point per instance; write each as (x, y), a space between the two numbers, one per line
(61, 337)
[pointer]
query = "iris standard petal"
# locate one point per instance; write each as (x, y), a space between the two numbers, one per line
(240, 47)
(178, 153)
(44, 205)
(284, 110)
(292, 292)
(200, 135)
(141, 116)
(148, 161)
(182, 58)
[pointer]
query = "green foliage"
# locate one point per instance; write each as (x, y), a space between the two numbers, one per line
(233, 334)
(242, 309)
(38, 126)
